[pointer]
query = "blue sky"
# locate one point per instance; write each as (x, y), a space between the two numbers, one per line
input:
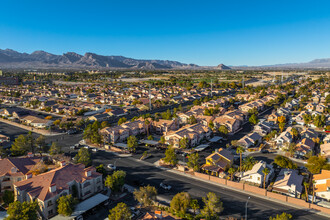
(246, 32)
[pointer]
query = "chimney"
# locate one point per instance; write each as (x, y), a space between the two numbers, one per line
(13, 170)
(52, 188)
(28, 176)
(62, 163)
(88, 173)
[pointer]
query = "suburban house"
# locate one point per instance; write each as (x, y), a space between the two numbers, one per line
(194, 133)
(325, 150)
(256, 176)
(121, 132)
(47, 187)
(310, 107)
(14, 170)
(322, 184)
(99, 117)
(250, 140)
(304, 146)
(162, 125)
(284, 137)
(272, 118)
(232, 124)
(263, 128)
(218, 162)
(36, 121)
(289, 182)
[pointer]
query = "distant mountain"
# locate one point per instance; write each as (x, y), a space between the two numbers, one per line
(223, 67)
(314, 64)
(41, 59)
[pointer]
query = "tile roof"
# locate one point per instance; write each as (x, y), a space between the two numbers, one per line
(38, 186)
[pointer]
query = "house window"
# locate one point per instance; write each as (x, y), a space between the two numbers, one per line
(50, 212)
(19, 179)
(258, 178)
(50, 203)
(98, 180)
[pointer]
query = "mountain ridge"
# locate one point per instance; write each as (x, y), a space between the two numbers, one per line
(41, 59)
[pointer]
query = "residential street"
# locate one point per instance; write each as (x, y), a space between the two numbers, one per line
(233, 201)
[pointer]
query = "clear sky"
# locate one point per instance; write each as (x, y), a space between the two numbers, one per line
(204, 32)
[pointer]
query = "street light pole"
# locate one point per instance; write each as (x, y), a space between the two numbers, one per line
(246, 204)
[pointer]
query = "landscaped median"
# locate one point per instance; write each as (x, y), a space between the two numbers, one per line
(262, 192)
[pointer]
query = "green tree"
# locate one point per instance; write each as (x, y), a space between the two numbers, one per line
(183, 143)
(316, 163)
(196, 102)
(65, 205)
(179, 203)
(283, 216)
(101, 169)
(193, 161)
(162, 140)
(41, 143)
(105, 124)
(120, 212)
(8, 197)
(115, 181)
(265, 171)
(194, 205)
(150, 137)
(145, 195)
(281, 126)
(83, 157)
(223, 130)
(20, 146)
(320, 121)
(240, 150)
(295, 133)
(170, 156)
(132, 143)
(192, 120)
(253, 119)
(23, 211)
(55, 149)
(284, 162)
(231, 172)
(122, 120)
(212, 206)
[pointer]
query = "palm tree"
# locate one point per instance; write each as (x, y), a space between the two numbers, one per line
(240, 150)
(248, 163)
(147, 123)
(313, 191)
(306, 190)
(231, 171)
(266, 171)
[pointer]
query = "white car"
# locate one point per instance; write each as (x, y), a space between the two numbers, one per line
(165, 186)
(95, 150)
(111, 166)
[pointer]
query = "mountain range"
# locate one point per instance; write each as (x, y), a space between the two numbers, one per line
(41, 59)
(10, 59)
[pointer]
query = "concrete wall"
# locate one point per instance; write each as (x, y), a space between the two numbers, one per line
(277, 196)
(218, 180)
(202, 176)
(260, 191)
(235, 185)
(254, 189)
(319, 208)
(298, 202)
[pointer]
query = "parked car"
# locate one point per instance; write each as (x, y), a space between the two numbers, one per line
(95, 150)
(165, 186)
(112, 167)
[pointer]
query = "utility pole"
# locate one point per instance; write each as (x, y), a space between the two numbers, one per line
(243, 82)
(149, 98)
(211, 88)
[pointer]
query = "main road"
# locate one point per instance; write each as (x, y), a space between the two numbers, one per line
(233, 201)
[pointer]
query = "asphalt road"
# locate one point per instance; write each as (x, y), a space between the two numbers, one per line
(233, 201)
